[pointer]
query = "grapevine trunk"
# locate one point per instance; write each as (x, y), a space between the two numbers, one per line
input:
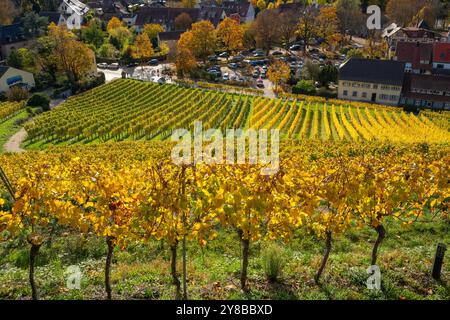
(173, 271)
(381, 235)
(325, 256)
(34, 250)
(109, 256)
(245, 253)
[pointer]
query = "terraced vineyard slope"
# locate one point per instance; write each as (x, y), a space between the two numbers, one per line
(133, 110)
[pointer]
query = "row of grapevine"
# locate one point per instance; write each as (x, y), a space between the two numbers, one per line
(129, 199)
(130, 110)
(9, 109)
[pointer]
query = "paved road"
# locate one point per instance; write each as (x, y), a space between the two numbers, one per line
(13, 144)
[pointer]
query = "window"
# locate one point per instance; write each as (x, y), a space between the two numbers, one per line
(355, 93)
(384, 97)
(394, 97)
(345, 93)
(440, 66)
(364, 94)
(375, 86)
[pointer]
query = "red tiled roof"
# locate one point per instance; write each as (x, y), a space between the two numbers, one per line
(414, 53)
(441, 52)
(418, 33)
(426, 82)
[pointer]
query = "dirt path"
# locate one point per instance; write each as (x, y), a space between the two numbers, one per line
(13, 144)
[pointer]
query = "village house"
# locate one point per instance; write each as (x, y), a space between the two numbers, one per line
(10, 77)
(426, 91)
(212, 13)
(163, 16)
(106, 9)
(394, 34)
(54, 17)
(441, 57)
(74, 12)
(376, 81)
(417, 56)
(170, 38)
(231, 7)
(11, 38)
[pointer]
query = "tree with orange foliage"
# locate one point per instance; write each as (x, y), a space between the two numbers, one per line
(185, 59)
(327, 25)
(204, 39)
(142, 48)
(7, 12)
(114, 23)
(231, 34)
(72, 57)
(278, 73)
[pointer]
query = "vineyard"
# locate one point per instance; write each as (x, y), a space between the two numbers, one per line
(9, 109)
(132, 110)
(357, 186)
(199, 229)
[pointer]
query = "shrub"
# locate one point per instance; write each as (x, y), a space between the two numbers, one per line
(3, 97)
(304, 87)
(39, 100)
(17, 93)
(273, 259)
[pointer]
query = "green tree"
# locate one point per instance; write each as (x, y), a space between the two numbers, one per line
(328, 74)
(107, 50)
(33, 24)
(304, 87)
(93, 33)
(310, 71)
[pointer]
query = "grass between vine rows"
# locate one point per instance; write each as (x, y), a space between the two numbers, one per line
(142, 271)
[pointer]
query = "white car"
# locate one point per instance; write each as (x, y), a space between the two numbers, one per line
(114, 66)
(226, 76)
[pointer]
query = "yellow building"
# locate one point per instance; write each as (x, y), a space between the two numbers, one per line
(376, 81)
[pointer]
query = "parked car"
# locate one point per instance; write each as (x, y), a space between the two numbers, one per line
(213, 58)
(132, 65)
(263, 74)
(314, 50)
(277, 53)
(260, 83)
(161, 80)
(237, 58)
(233, 65)
(113, 66)
(255, 74)
(258, 54)
(291, 58)
(102, 65)
(224, 55)
(153, 62)
(215, 73)
(295, 47)
(226, 76)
